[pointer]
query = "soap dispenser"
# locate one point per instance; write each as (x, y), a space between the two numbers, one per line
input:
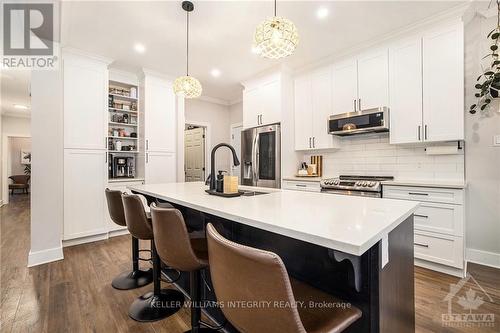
(219, 183)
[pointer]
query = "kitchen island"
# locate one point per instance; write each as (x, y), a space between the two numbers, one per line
(358, 249)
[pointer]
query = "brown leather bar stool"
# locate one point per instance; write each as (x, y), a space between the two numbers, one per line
(160, 303)
(178, 251)
(242, 273)
(130, 279)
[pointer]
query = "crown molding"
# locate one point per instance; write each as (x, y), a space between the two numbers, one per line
(236, 101)
(214, 100)
(146, 71)
(74, 51)
(453, 14)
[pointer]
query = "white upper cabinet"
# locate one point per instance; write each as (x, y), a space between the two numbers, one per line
(373, 80)
(160, 168)
(251, 111)
(321, 88)
(262, 101)
(313, 106)
(344, 87)
(303, 113)
(85, 102)
(160, 125)
(443, 85)
(405, 103)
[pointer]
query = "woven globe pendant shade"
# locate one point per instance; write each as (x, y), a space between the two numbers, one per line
(187, 87)
(276, 38)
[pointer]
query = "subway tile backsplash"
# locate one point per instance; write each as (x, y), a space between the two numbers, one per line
(373, 155)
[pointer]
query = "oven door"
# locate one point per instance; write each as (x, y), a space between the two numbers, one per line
(355, 193)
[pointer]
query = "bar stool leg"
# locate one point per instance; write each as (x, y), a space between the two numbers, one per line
(136, 278)
(160, 303)
(195, 291)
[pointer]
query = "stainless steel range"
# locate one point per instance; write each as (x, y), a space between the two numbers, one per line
(367, 186)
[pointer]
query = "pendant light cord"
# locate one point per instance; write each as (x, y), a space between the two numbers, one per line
(187, 44)
(275, 7)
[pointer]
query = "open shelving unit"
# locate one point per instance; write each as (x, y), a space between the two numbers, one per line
(123, 131)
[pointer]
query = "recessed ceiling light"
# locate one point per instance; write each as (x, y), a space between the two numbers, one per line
(19, 106)
(139, 48)
(322, 12)
(215, 72)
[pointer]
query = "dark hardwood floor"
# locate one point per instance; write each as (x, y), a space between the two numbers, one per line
(75, 294)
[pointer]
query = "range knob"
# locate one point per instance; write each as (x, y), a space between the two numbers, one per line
(371, 184)
(365, 184)
(336, 182)
(358, 183)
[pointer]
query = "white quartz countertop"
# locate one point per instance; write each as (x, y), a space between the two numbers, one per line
(428, 183)
(346, 223)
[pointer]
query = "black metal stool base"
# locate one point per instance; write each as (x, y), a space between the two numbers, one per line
(132, 279)
(150, 307)
(202, 330)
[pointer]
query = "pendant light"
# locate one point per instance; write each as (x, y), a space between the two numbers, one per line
(276, 37)
(187, 86)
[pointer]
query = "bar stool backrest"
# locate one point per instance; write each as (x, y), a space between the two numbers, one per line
(115, 206)
(256, 277)
(172, 239)
(137, 221)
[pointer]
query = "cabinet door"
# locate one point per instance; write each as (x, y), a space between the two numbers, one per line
(160, 168)
(405, 99)
(344, 87)
(303, 113)
(443, 95)
(84, 181)
(160, 116)
(85, 100)
(251, 109)
(270, 102)
(373, 80)
(321, 88)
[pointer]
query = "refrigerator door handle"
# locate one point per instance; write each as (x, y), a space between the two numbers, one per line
(257, 160)
(254, 158)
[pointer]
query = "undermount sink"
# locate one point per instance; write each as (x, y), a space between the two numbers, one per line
(252, 193)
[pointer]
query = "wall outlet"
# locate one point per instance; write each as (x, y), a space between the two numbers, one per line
(496, 140)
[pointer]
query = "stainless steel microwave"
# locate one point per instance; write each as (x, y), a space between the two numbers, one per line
(366, 121)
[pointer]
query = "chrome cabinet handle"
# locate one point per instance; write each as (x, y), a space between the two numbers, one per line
(423, 216)
(425, 132)
(310, 142)
(300, 185)
(354, 105)
(359, 104)
(416, 193)
(147, 144)
(106, 159)
(147, 157)
(105, 142)
(314, 142)
(421, 245)
(419, 130)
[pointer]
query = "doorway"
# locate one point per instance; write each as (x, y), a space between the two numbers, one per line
(194, 152)
(16, 167)
(236, 143)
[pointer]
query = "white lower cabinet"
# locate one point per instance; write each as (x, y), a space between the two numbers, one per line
(439, 226)
(307, 186)
(160, 168)
(84, 182)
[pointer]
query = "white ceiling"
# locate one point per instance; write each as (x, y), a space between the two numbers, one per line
(222, 32)
(15, 85)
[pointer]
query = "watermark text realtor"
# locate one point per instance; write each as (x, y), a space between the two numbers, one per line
(28, 36)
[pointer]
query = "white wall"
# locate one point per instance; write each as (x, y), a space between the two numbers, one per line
(16, 145)
(236, 113)
(482, 159)
(373, 155)
(47, 167)
(218, 117)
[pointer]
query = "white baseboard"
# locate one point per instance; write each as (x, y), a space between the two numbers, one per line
(85, 239)
(458, 272)
(45, 256)
(118, 232)
(481, 257)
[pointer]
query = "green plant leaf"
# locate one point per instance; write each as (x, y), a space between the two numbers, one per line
(495, 35)
(478, 86)
(487, 101)
(483, 107)
(489, 73)
(473, 111)
(493, 47)
(473, 106)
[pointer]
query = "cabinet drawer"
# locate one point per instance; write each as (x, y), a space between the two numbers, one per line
(301, 186)
(441, 218)
(432, 194)
(446, 250)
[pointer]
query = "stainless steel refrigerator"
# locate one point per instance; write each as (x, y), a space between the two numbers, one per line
(261, 156)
